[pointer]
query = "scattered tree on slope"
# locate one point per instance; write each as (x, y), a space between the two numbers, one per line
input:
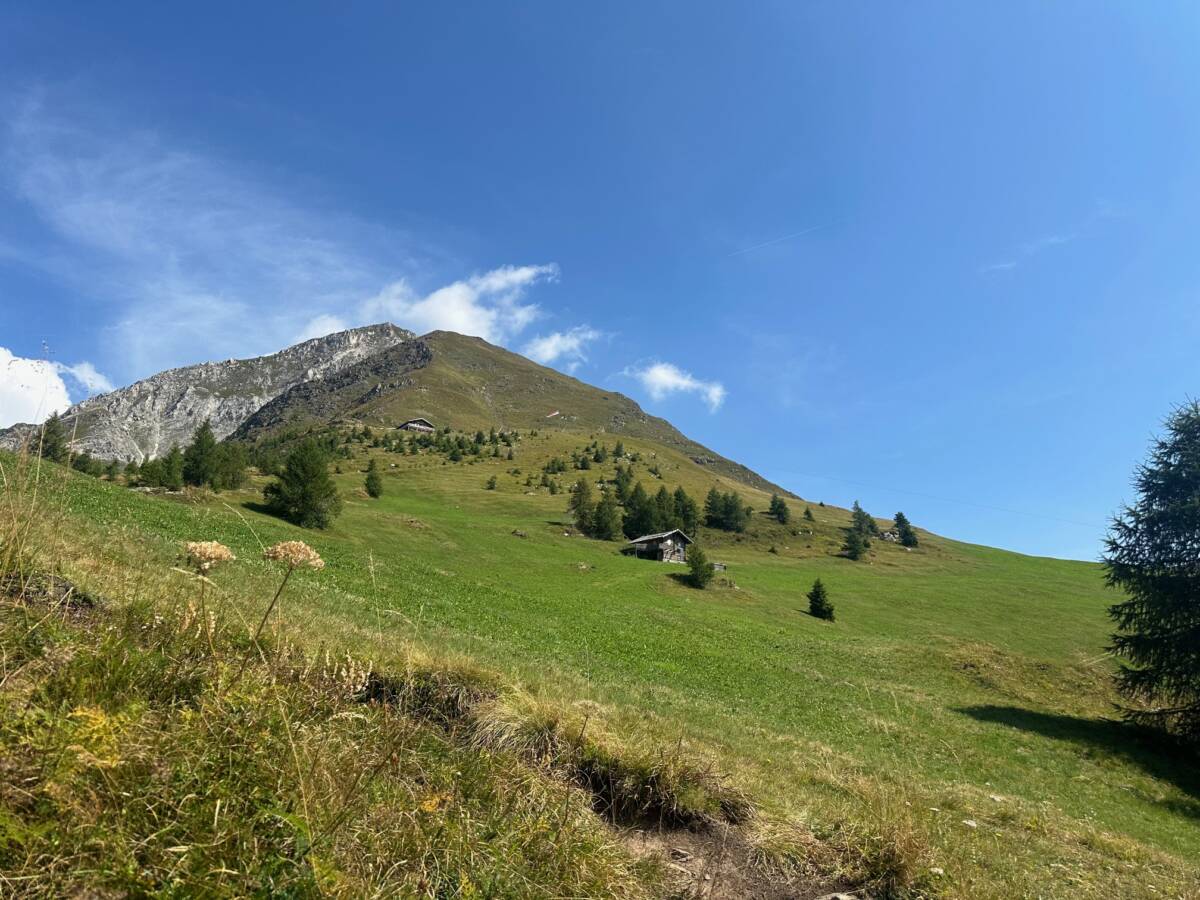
(305, 493)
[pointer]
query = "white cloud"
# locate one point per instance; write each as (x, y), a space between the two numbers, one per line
(568, 346)
(85, 373)
(662, 379)
(191, 257)
(30, 389)
(321, 325)
(489, 306)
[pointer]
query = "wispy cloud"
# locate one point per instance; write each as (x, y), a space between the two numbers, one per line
(778, 240)
(662, 379)
(568, 347)
(1103, 210)
(191, 257)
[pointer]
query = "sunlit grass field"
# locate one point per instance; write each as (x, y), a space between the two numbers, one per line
(959, 707)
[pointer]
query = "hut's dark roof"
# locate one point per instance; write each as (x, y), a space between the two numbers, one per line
(655, 537)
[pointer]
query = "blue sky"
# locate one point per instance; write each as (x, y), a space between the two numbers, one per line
(938, 257)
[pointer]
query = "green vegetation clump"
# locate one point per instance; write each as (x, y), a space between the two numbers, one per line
(374, 480)
(304, 493)
(1151, 554)
(819, 606)
(905, 532)
(778, 510)
(725, 511)
(700, 570)
(858, 535)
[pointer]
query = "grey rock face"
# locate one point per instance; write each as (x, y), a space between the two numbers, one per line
(144, 420)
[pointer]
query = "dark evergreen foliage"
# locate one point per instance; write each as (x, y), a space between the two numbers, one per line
(305, 493)
(374, 480)
(905, 531)
(778, 510)
(582, 505)
(818, 602)
(700, 570)
(54, 446)
(1152, 553)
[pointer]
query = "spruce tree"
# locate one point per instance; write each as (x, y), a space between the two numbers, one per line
(374, 481)
(640, 513)
(229, 467)
(687, 514)
(607, 520)
(200, 457)
(905, 531)
(172, 477)
(818, 602)
(861, 520)
(54, 440)
(664, 510)
(712, 509)
(305, 493)
(808, 514)
(491, 483)
(700, 570)
(1151, 554)
(582, 506)
(778, 510)
(856, 544)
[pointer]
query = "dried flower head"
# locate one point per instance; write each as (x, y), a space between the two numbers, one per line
(203, 555)
(296, 554)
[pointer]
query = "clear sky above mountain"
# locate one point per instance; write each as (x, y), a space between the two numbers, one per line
(939, 257)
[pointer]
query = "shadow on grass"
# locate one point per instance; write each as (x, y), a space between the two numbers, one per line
(683, 578)
(258, 507)
(1157, 756)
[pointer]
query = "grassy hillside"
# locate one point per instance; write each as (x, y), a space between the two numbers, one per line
(466, 383)
(951, 732)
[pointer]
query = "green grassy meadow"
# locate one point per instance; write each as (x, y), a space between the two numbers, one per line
(958, 711)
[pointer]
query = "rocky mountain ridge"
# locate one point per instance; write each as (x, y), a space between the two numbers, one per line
(146, 418)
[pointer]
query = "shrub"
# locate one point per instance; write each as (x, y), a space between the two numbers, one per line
(374, 481)
(700, 570)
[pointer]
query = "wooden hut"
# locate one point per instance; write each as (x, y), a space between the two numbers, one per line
(669, 546)
(422, 425)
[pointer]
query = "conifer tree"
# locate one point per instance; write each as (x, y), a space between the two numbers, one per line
(664, 510)
(700, 570)
(491, 483)
(1151, 555)
(818, 602)
(619, 450)
(305, 493)
(582, 506)
(856, 544)
(687, 514)
(778, 510)
(607, 521)
(640, 513)
(712, 508)
(172, 476)
(374, 481)
(860, 520)
(200, 457)
(808, 514)
(54, 440)
(905, 531)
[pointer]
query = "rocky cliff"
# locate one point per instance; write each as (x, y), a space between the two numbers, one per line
(143, 420)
